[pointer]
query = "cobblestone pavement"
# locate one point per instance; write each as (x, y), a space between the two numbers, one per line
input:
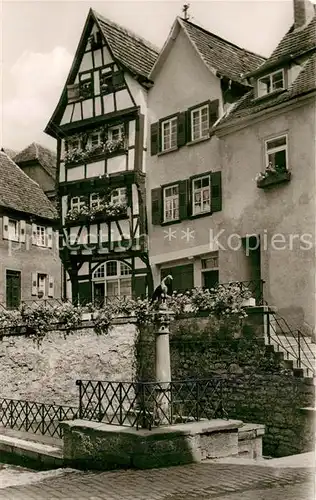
(192, 482)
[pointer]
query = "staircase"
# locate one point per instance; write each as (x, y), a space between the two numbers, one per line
(299, 350)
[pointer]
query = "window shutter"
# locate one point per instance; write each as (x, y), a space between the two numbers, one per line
(73, 91)
(213, 111)
(51, 286)
(34, 283)
(216, 191)
(34, 233)
(5, 228)
(154, 138)
(181, 129)
(22, 231)
(140, 287)
(156, 206)
(49, 237)
(183, 199)
(188, 125)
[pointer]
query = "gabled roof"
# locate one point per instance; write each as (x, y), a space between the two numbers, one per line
(295, 43)
(46, 158)
(19, 192)
(135, 53)
(248, 105)
(131, 51)
(220, 56)
(10, 152)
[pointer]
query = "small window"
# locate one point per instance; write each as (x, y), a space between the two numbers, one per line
(86, 85)
(171, 203)
(200, 123)
(42, 285)
(40, 236)
(116, 133)
(169, 134)
(271, 83)
(106, 85)
(201, 195)
(95, 200)
(119, 196)
(73, 144)
(125, 269)
(13, 230)
(276, 153)
(111, 268)
(77, 202)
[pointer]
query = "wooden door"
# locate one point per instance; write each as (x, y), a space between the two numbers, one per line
(13, 289)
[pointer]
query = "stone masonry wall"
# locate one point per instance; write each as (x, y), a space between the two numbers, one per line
(48, 372)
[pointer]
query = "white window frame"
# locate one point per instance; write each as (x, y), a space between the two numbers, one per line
(175, 208)
(199, 110)
(120, 129)
(95, 134)
(123, 273)
(200, 190)
(95, 200)
(121, 197)
(272, 89)
(42, 284)
(16, 236)
(78, 204)
(41, 236)
(168, 144)
(277, 149)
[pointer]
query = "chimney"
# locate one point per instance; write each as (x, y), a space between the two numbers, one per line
(303, 12)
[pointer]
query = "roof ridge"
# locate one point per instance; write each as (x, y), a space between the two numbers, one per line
(127, 31)
(223, 39)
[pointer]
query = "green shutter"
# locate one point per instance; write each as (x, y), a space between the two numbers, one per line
(183, 199)
(140, 287)
(84, 289)
(213, 111)
(154, 138)
(181, 122)
(216, 191)
(156, 206)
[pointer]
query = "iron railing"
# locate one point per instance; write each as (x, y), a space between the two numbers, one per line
(151, 404)
(292, 342)
(34, 417)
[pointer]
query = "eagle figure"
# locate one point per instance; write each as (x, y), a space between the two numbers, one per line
(161, 292)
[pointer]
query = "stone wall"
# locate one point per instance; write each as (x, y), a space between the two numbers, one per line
(259, 387)
(48, 372)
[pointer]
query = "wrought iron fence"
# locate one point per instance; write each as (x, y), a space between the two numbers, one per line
(292, 342)
(151, 404)
(34, 417)
(254, 286)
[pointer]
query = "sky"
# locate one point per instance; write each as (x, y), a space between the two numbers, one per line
(39, 39)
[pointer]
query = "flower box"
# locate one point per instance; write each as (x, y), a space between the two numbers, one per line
(274, 178)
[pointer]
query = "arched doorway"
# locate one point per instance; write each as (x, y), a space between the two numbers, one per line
(111, 279)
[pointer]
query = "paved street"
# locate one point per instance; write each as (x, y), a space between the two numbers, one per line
(191, 482)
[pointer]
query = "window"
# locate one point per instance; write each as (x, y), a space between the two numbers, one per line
(200, 123)
(40, 236)
(169, 134)
(95, 139)
(171, 203)
(210, 274)
(116, 133)
(13, 230)
(183, 277)
(271, 83)
(77, 202)
(86, 85)
(119, 196)
(201, 195)
(95, 200)
(276, 153)
(42, 284)
(73, 144)
(112, 279)
(106, 80)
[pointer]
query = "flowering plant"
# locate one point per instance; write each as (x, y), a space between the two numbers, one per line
(79, 154)
(108, 209)
(270, 170)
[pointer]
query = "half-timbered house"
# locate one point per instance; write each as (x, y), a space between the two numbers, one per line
(100, 127)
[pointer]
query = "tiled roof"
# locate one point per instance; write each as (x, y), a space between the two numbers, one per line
(135, 53)
(248, 105)
(10, 152)
(19, 192)
(294, 43)
(43, 155)
(228, 59)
